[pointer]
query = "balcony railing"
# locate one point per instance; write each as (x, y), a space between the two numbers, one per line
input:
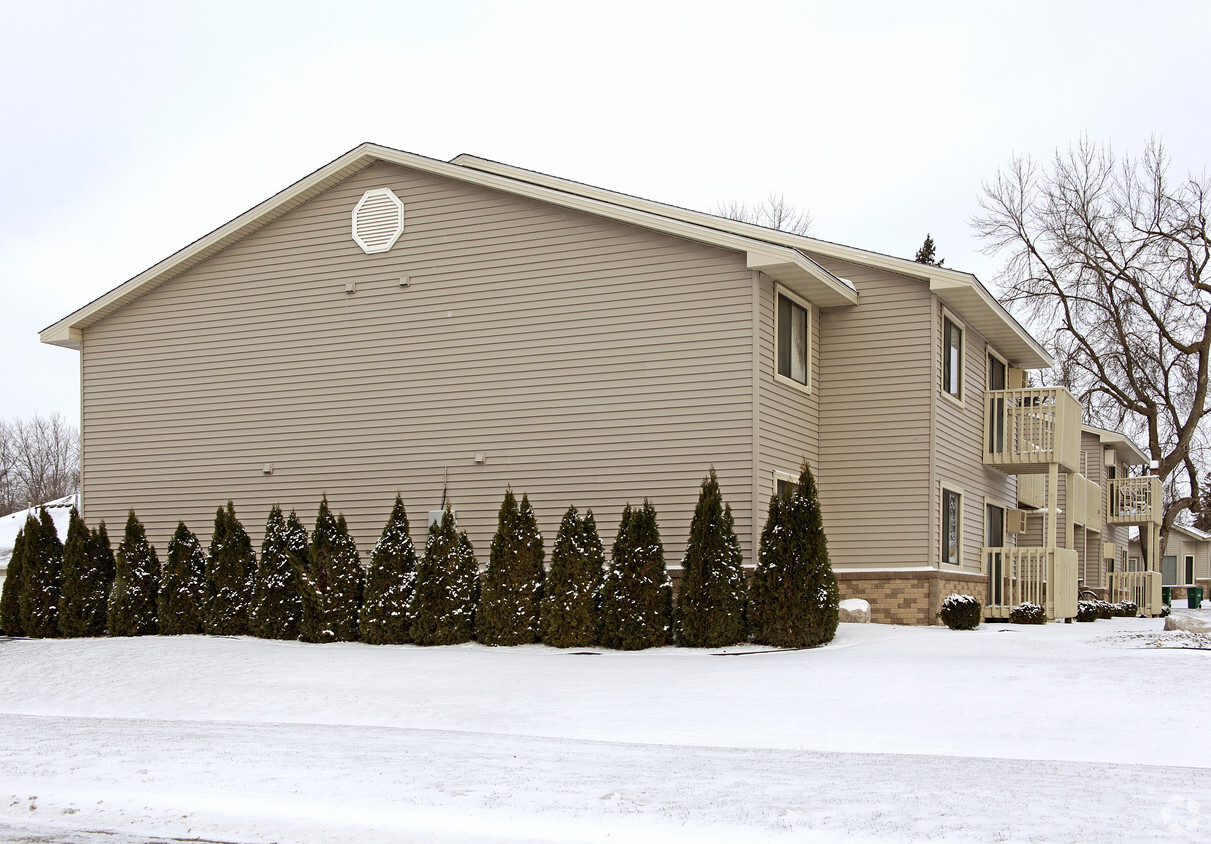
(1142, 587)
(1134, 501)
(1026, 430)
(1086, 503)
(1043, 576)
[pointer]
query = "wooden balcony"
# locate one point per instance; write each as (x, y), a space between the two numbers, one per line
(1086, 503)
(1142, 587)
(1027, 430)
(1134, 501)
(1043, 576)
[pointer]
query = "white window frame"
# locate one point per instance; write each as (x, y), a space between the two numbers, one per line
(779, 475)
(795, 299)
(1188, 564)
(960, 399)
(943, 560)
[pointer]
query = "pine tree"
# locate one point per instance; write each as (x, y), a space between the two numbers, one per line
(277, 608)
(11, 620)
(794, 598)
(390, 582)
(925, 255)
(711, 600)
(569, 602)
(41, 576)
(636, 596)
(447, 587)
(230, 566)
(510, 604)
(182, 596)
(78, 600)
(132, 601)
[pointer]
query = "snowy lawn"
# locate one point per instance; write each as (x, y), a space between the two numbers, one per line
(1061, 732)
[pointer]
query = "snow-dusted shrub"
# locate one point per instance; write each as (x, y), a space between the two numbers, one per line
(1166, 609)
(334, 585)
(960, 612)
(1088, 611)
(1125, 609)
(447, 587)
(182, 596)
(794, 598)
(132, 601)
(510, 604)
(11, 621)
(390, 582)
(1027, 613)
(277, 608)
(230, 571)
(712, 595)
(41, 576)
(88, 575)
(570, 594)
(636, 595)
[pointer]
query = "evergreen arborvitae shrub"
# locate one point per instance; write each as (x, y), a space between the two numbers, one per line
(569, 601)
(447, 587)
(794, 598)
(332, 590)
(11, 621)
(1027, 613)
(88, 575)
(713, 593)
(277, 608)
(961, 612)
(132, 601)
(510, 604)
(230, 567)
(41, 576)
(390, 582)
(636, 595)
(182, 597)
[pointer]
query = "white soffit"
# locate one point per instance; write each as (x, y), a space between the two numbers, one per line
(378, 220)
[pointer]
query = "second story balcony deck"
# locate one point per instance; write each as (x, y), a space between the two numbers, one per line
(1027, 430)
(1134, 501)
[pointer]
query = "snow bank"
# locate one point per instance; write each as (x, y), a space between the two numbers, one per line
(11, 524)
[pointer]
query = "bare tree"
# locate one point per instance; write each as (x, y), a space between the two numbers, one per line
(39, 461)
(1108, 263)
(773, 212)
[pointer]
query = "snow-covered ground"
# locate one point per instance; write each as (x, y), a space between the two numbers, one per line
(1062, 732)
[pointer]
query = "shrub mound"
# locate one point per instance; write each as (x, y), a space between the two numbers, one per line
(960, 612)
(1027, 613)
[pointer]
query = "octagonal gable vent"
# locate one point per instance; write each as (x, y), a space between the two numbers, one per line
(378, 220)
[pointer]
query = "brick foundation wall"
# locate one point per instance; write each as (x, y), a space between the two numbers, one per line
(909, 597)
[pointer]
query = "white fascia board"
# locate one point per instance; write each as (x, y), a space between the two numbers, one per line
(972, 301)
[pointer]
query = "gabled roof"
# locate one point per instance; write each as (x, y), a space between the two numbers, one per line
(1132, 454)
(778, 260)
(963, 291)
(784, 257)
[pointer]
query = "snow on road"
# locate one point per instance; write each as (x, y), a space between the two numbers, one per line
(892, 733)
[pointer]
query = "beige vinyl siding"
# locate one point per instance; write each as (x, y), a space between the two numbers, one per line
(789, 416)
(592, 362)
(874, 394)
(959, 458)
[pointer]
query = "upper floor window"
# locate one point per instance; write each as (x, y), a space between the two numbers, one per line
(952, 516)
(952, 358)
(793, 341)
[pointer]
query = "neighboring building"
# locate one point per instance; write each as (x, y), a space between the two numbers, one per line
(447, 329)
(1185, 559)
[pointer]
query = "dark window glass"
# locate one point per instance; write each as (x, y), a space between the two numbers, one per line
(792, 340)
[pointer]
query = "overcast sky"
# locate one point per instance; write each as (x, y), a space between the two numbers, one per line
(132, 128)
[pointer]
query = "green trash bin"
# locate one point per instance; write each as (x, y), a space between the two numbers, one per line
(1194, 597)
(1167, 595)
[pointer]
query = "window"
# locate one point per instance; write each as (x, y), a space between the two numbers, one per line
(996, 419)
(952, 358)
(792, 339)
(785, 484)
(1133, 564)
(1190, 569)
(952, 510)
